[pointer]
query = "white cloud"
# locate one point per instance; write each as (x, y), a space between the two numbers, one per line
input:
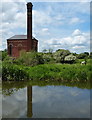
(77, 41)
(13, 19)
(78, 47)
(76, 32)
(45, 29)
(75, 20)
(45, 23)
(14, 1)
(41, 18)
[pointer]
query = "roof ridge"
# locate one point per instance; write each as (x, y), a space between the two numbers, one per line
(20, 37)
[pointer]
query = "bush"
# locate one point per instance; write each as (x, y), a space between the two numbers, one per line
(48, 58)
(70, 58)
(47, 72)
(13, 72)
(83, 55)
(60, 54)
(29, 58)
(4, 54)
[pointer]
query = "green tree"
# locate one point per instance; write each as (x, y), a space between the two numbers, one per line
(4, 54)
(70, 58)
(30, 58)
(50, 50)
(60, 54)
(90, 55)
(44, 51)
(83, 55)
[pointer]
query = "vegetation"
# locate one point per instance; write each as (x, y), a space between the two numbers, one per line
(4, 54)
(47, 72)
(14, 72)
(29, 59)
(83, 55)
(47, 66)
(70, 58)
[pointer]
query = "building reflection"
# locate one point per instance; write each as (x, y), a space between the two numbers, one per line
(29, 101)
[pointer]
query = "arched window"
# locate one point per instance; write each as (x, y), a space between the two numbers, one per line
(10, 49)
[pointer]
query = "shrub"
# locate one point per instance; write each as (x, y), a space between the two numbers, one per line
(13, 72)
(30, 58)
(70, 58)
(48, 58)
(4, 54)
(60, 54)
(82, 55)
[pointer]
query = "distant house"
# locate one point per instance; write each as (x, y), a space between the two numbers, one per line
(23, 42)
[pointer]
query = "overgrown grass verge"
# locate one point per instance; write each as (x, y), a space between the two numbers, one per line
(12, 72)
(47, 72)
(59, 72)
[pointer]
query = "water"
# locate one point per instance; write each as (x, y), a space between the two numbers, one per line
(45, 102)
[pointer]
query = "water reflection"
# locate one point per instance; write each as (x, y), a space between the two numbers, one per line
(26, 101)
(29, 101)
(17, 103)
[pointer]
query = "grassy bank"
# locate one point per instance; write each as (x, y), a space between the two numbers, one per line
(60, 72)
(47, 72)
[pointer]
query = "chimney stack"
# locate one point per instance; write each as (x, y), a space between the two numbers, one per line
(29, 26)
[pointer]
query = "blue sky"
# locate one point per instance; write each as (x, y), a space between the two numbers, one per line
(56, 25)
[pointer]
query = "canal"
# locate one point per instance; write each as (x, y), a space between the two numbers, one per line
(50, 101)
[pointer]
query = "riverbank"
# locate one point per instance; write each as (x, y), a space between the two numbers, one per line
(47, 72)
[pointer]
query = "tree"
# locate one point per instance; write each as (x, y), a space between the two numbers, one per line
(90, 56)
(30, 58)
(44, 51)
(83, 55)
(50, 50)
(86, 53)
(4, 54)
(70, 58)
(60, 54)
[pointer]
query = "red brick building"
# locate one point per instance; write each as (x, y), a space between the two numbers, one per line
(23, 42)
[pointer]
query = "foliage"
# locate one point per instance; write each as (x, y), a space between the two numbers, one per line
(28, 67)
(0, 68)
(0, 55)
(4, 54)
(13, 72)
(70, 58)
(47, 51)
(34, 58)
(30, 58)
(48, 58)
(44, 51)
(59, 72)
(60, 54)
(47, 72)
(90, 56)
(83, 55)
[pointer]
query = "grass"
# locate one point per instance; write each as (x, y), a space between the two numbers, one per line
(59, 72)
(47, 72)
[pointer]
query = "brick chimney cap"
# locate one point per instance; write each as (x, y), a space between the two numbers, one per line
(29, 4)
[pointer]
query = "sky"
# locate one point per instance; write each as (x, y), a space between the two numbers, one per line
(56, 25)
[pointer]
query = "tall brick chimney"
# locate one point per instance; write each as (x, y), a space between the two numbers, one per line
(29, 26)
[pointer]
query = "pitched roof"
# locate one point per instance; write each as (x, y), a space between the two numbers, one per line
(19, 37)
